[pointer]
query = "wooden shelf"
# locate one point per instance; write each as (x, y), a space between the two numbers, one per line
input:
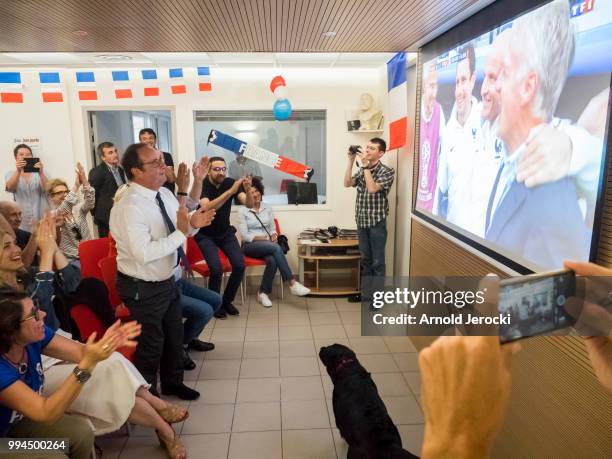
(330, 257)
(326, 269)
(342, 290)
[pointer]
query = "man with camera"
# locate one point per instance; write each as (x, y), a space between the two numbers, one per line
(373, 182)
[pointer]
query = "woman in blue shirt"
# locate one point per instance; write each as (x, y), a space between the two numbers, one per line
(140, 406)
(24, 413)
(259, 237)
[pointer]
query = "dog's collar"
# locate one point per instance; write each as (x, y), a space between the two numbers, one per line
(343, 363)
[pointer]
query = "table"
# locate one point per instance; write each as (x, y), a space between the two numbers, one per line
(329, 268)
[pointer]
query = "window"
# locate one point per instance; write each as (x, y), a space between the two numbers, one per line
(301, 139)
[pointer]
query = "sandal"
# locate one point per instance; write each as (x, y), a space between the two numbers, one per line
(174, 448)
(173, 414)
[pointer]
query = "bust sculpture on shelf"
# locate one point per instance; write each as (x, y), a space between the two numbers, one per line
(370, 118)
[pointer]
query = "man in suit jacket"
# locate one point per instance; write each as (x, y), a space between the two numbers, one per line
(106, 177)
(543, 224)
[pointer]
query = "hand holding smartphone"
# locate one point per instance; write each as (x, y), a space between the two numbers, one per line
(30, 163)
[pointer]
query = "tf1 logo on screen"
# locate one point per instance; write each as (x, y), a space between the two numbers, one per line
(579, 7)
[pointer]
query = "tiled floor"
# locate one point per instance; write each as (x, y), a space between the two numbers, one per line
(265, 394)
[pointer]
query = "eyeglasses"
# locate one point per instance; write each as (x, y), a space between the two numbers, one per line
(159, 162)
(219, 169)
(34, 314)
(59, 192)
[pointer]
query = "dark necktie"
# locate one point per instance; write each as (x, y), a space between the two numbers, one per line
(492, 197)
(181, 256)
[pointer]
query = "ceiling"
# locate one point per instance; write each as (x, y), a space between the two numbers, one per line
(225, 60)
(226, 25)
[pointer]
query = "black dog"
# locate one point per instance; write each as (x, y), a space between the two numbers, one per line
(361, 415)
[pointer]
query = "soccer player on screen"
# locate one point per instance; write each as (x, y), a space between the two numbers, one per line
(431, 134)
(461, 148)
(543, 224)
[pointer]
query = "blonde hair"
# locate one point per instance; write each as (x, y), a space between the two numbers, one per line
(53, 183)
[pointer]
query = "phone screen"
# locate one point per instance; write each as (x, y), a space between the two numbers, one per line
(30, 162)
(536, 304)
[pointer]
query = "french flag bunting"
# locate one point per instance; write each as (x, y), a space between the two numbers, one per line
(86, 84)
(151, 83)
(398, 101)
(11, 89)
(204, 82)
(121, 78)
(177, 83)
(50, 87)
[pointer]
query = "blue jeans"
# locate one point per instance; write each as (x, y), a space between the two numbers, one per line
(372, 242)
(275, 258)
(198, 305)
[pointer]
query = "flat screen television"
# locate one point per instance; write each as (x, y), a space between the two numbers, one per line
(514, 115)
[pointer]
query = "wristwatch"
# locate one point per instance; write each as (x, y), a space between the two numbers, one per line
(82, 376)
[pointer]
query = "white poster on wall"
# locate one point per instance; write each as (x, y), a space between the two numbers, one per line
(34, 142)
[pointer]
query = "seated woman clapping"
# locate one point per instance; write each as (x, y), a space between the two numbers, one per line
(71, 208)
(117, 392)
(24, 412)
(259, 237)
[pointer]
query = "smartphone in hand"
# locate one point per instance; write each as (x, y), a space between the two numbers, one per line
(535, 304)
(30, 162)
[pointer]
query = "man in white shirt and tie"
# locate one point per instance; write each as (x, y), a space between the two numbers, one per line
(150, 229)
(461, 149)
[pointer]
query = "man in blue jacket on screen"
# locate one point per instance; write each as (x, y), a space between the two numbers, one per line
(544, 224)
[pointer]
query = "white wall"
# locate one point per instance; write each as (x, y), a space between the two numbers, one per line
(63, 126)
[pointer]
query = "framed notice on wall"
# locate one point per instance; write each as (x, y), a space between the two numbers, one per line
(34, 142)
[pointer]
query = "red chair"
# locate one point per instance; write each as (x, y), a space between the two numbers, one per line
(90, 254)
(108, 266)
(87, 323)
(250, 262)
(199, 265)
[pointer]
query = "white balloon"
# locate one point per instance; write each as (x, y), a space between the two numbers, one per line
(281, 92)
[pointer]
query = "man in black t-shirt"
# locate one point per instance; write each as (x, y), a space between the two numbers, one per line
(218, 190)
(149, 137)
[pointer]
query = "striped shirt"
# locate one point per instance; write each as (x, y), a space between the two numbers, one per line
(370, 208)
(75, 229)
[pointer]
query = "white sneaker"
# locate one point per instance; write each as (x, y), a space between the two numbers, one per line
(298, 289)
(264, 300)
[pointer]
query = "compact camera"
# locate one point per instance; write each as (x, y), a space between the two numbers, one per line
(355, 149)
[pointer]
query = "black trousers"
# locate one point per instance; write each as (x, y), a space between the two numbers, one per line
(156, 306)
(229, 245)
(103, 228)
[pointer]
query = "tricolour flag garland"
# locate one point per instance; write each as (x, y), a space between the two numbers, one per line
(398, 101)
(204, 83)
(177, 83)
(86, 84)
(11, 89)
(50, 88)
(260, 155)
(151, 88)
(121, 78)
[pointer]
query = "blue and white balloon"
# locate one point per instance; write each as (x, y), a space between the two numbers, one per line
(282, 110)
